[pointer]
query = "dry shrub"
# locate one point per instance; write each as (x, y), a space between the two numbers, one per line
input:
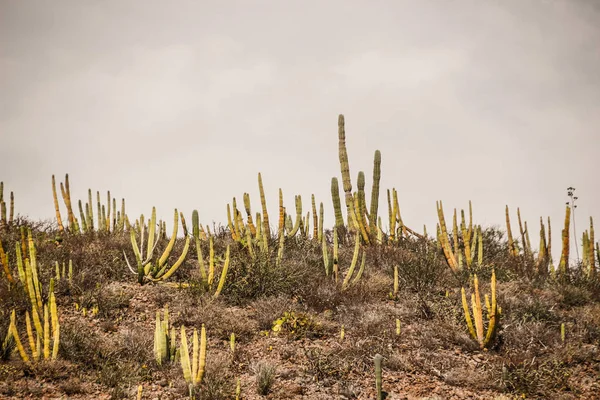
(267, 310)
(220, 320)
(265, 376)
(218, 381)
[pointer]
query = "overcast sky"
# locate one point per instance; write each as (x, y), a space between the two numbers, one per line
(182, 103)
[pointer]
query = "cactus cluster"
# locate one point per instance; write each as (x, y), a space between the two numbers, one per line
(193, 371)
(164, 339)
(46, 327)
(108, 218)
(251, 236)
(332, 263)
(589, 251)
(467, 241)
(360, 218)
(476, 324)
(542, 263)
(148, 268)
(208, 274)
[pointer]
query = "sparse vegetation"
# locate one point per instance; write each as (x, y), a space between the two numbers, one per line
(294, 310)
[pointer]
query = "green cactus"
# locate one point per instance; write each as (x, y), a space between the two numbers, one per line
(337, 207)
(193, 371)
(345, 168)
(315, 235)
(375, 190)
(321, 215)
(298, 223)
(164, 338)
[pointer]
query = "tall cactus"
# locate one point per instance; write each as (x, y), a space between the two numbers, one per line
(564, 258)
(337, 207)
(61, 228)
(266, 228)
(345, 168)
(512, 246)
(375, 190)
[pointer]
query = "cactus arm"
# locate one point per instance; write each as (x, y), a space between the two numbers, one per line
(315, 218)
(361, 270)
(321, 218)
(325, 255)
(345, 169)
(185, 357)
(61, 228)
(590, 249)
(522, 232)
(296, 227)
(4, 261)
(468, 319)
(337, 207)
(211, 262)
(392, 217)
(171, 243)
(281, 226)
(194, 356)
(151, 233)
(196, 234)
(266, 228)
(12, 330)
(360, 203)
(477, 311)
(375, 189)
(443, 237)
(202, 358)
(249, 213)
(281, 247)
(230, 224)
(177, 264)
(466, 234)
(511, 244)
(353, 264)
(493, 314)
(11, 214)
(335, 255)
(223, 275)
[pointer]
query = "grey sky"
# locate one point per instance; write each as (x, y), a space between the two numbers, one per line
(181, 104)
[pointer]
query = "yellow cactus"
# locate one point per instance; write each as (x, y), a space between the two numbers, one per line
(476, 328)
